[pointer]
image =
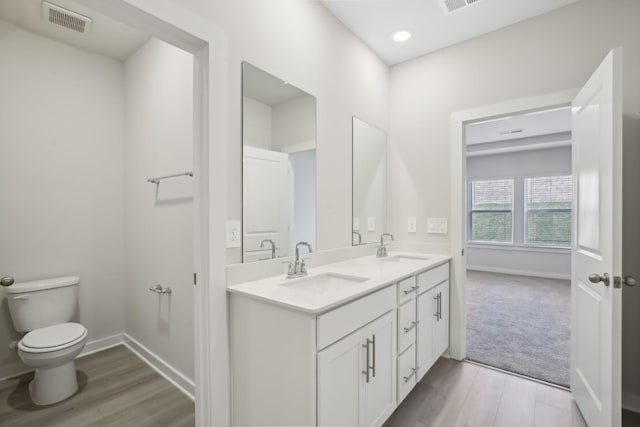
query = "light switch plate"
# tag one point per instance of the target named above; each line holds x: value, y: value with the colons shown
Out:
x: 411, y: 224
x: 437, y: 225
x: 356, y: 223
x: 371, y: 224
x: 233, y: 234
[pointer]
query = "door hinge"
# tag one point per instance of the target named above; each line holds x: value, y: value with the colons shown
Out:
x: 463, y: 252
x: 195, y: 279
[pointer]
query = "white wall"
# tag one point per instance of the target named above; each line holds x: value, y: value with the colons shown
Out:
x: 520, y: 258
x: 294, y: 122
x: 303, y: 165
x: 552, y: 52
x: 301, y: 42
x: 61, y: 133
x: 159, y: 225
x: 257, y: 119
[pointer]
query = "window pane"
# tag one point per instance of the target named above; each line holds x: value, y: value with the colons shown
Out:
x: 492, y: 195
x: 491, y: 211
x: 548, y: 205
x: 491, y: 226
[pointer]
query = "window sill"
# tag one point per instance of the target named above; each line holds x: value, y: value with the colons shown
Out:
x: 521, y: 248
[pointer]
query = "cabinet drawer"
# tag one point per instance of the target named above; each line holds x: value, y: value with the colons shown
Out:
x: 343, y: 320
x: 406, y: 325
x: 406, y: 372
x: 406, y: 289
x: 429, y: 279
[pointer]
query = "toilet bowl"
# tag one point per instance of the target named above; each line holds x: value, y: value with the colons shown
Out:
x: 52, y: 351
x: 43, y: 309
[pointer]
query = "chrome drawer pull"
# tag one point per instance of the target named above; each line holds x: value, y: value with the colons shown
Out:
x: 413, y: 372
x: 411, y: 289
x: 413, y: 325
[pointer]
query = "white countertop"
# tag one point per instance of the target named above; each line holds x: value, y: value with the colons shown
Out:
x: 277, y: 289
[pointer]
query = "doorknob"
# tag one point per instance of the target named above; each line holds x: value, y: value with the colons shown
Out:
x: 596, y: 278
x: 629, y: 280
x: 7, y: 281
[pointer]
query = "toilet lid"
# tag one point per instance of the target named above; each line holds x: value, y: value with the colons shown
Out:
x: 53, y: 336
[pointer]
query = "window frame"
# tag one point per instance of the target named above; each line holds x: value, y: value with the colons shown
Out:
x: 470, y: 211
x: 525, y: 211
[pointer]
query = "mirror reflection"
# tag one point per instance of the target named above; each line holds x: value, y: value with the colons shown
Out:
x: 279, y: 166
x: 369, y: 183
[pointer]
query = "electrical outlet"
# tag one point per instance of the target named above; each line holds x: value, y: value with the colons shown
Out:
x: 356, y: 223
x: 233, y: 234
x: 371, y: 224
x: 411, y: 225
x: 437, y: 225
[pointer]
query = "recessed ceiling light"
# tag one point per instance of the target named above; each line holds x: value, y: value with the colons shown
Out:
x: 401, y: 36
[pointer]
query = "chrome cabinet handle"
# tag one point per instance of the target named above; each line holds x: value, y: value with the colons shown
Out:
x: 596, y: 278
x: 411, y: 289
x: 158, y: 289
x: 439, y: 306
x: 373, y: 368
x: 368, y: 367
x: 408, y: 377
x: 7, y: 281
x: 413, y: 325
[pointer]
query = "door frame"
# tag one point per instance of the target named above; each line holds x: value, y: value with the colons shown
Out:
x: 182, y: 28
x: 458, y: 207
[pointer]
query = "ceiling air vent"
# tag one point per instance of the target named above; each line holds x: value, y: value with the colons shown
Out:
x: 65, y: 18
x: 450, y: 6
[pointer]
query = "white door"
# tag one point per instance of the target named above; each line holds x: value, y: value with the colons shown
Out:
x: 441, y: 328
x: 380, y: 389
x: 266, y: 204
x: 425, y: 340
x: 340, y: 384
x: 597, y: 245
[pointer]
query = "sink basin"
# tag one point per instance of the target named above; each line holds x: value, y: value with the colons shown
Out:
x: 404, y: 258
x: 324, y: 283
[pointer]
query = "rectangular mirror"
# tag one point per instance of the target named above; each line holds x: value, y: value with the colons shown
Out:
x: 369, y: 183
x: 278, y: 166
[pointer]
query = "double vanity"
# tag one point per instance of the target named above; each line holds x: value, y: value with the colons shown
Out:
x: 343, y: 345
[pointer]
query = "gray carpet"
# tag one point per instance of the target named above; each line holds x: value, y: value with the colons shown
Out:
x: 520, y: 324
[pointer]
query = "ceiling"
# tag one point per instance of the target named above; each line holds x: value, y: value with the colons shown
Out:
x: 265, y: 88
x: 530, y: 131
x: 106, y: 36
x: 373, y: 21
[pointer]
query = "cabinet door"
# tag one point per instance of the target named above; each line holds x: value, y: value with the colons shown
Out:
x: 341, y: 381
x: 380, y: 391
x: 425, y: 352
x: 442, y: 322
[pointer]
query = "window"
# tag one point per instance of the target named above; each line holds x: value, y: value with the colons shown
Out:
x: 491, y: 211
x: 548, y: 210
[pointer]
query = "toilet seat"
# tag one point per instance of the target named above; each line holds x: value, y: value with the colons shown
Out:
x: 53, y: 338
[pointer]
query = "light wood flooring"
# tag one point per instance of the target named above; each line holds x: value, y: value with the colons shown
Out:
x: 116, y: 388
x: 457, y: 394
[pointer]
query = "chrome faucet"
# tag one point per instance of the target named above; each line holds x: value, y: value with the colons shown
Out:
x: 382, y: 249
x: 273, y: 246
x: 359, y: 237
x: 297, y: 268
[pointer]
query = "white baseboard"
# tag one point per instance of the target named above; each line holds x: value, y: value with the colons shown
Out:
x: 183, y: 383
x: 18, y: 368
x: 543, y: 274
x: 631, y: 402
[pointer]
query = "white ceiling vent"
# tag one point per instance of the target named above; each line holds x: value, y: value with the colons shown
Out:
x: 450, y: 6
x: 65, y: 18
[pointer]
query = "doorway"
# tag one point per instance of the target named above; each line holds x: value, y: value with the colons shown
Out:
x: 519, y: 204
x: 182, y: 30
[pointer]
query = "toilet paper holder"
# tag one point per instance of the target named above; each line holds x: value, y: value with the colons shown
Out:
x: 160, y: 290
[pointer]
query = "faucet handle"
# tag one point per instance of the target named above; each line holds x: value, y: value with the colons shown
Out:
x: 303, y: 267
x: 292, y: 268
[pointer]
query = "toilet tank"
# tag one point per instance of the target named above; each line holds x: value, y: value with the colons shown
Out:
x: 42, y: 303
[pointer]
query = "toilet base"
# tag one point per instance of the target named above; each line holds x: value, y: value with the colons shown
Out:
x: 53, y: 385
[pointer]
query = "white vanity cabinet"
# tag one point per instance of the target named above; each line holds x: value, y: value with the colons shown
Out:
x: 423, y: 325
x: 356, y: 377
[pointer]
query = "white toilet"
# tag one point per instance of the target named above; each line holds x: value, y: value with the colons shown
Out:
x: 43, y: 309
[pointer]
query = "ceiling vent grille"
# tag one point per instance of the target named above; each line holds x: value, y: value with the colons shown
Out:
x: 450, y: 6
x: 65, y: 18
